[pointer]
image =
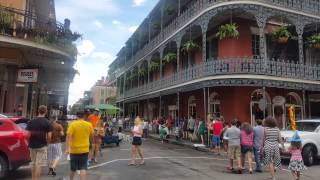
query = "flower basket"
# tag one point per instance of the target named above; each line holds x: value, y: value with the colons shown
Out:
x: 314, y: 41
x: 168, y: 58
x: 228, y: 31
x: 283, y: 40
x: 281, y: 35
x: 316, y: 46
x: 190, y: 46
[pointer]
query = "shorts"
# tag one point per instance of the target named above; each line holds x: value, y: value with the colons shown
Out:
x: 245, y: 149
x: 78, y: 162
x: 54, y: 151
x: 137, y: 141
x: 234, y: 152
x: 216, y: 140
x: 191, y: 130
x: 38, y: 156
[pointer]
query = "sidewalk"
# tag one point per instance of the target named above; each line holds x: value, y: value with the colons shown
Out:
x: 182, y: 142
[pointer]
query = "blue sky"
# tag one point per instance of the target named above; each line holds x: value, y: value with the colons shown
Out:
x: 105, y: 25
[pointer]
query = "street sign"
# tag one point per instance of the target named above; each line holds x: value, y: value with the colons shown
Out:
x: 27, y: 76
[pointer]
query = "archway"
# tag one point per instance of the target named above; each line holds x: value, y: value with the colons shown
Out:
x: 260, y: 105
x: 214, y: 104
x: 294, y: 100
x: 278, y: 107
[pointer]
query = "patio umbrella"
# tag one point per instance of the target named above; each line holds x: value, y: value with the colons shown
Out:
x: 108, y: 108
x: 91, y: 107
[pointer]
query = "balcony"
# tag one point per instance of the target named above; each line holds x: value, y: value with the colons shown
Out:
x: 196, y: 7
x: 230, y: 67
x: 23, y: 26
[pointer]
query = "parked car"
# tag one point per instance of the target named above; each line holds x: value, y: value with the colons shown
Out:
x: 309, y: 131
x: 14, y: 151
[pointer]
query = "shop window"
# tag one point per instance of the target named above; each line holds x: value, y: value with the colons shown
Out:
x: 260, y: 105
x: 192, y: 107
x: 214, y: 104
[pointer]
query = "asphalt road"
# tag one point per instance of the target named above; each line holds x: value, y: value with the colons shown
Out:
x: 163, y: 161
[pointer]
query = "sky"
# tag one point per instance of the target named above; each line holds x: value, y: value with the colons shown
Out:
x: 105, y: 25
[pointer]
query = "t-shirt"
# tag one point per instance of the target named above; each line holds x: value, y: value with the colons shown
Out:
x: 38, y: 128
x: 93, y: 119
x: 56, y: 133
x: 191, y: 123
x: 233, y: 136
x: 258, y: 133
x: 137, y: 128
x: 80, y: 132
x: 246, y: 139
x: 217, y: 128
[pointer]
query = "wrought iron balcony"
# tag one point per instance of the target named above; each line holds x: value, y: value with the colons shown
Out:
x: 25, y: 25
x: 234, y: 66
x: 196, y: 7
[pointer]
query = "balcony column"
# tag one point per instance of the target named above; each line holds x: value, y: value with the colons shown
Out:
x: 160, y: 106
x: 124, y: 84
x: 178, y: 107
x: 304, y: 104
x: 148, y: 80
x: 138, y: 76
x: 204, y: 28
x: 149, y: 30
x: 178, y: 42
x: 161, y: 56
x: 299, y: 29
x: 132, y: 45
x: 161, y: 18
x: 179, y: 7
x: 261, y: 22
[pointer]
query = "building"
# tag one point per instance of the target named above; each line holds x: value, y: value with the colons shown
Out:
x: 102, y: 92
x: 179, y: 63
x: 36, y: 57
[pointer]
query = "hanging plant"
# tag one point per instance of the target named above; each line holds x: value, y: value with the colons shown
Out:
x: 169, y: 57
x: 154, y: 66
x: 190, y: 46
x: 281, y: 34
x: 229, y: 30
x: 142, y: 72
x: 314, y: 41
x: 169, y: 10
x: 6, y: 21
x: 134, y: 75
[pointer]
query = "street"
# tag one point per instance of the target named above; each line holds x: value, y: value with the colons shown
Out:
x: 163, y: 161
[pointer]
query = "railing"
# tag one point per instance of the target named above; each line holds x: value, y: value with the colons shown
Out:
x: 307, y: 6
x: 229, y: 67
x: 25, y: 25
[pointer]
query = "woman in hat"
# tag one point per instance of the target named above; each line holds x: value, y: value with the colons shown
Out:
x: 296, y: 162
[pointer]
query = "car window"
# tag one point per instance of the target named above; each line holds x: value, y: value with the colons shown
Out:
x: 307, y: 126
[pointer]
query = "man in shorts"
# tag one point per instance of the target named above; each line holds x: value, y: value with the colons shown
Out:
x: 39, y: 130
x: 79, y: 134
x: 232, y: 135
x: 217, y: 128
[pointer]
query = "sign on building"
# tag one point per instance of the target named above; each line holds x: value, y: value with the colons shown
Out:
x: 27, y: 76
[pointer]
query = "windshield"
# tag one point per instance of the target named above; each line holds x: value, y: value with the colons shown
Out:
x: 306, y: 126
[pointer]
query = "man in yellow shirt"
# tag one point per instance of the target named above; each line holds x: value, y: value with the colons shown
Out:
x: 78, y: 139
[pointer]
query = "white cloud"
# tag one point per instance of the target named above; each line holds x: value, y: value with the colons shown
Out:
x: 115, y: 22
x: 102, y: 56
x: 85, y: 48
x: 138, y: 2
x: 98, y: 24
x: 132, y: 29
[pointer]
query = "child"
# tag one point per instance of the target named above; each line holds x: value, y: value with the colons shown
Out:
x: 296, y: 163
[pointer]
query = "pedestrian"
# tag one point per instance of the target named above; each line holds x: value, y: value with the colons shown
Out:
x: 246, y: 138
x: 232, y: 135
x: 217, y: 128
x: 98, y: 134
x: 191, y: 125
x: 54, y: 147
x: 163, y: 132
x: 120, y: 124
x: 94, y: 118
x: 296, y: 164
x: 201, y: 130
x: 185, y: 128
x: 258, y: 134
x: 271, y: 150
x: 224, y: 141
x: 39, y: 133
x: 145, y: 128
x: 137, y: 132
x: 79, y: 134
x: 169, y: 124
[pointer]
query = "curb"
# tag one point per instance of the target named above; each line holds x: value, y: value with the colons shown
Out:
x: 170, y: 141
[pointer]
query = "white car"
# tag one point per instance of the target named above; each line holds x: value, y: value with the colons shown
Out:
x: 309, y: 131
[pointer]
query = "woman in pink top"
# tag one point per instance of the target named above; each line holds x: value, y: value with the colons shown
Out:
x: 246, y: 139
x: 137, y: 132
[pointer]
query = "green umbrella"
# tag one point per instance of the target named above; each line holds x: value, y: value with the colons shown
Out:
x: 107, y: 107
x: 91, y: 107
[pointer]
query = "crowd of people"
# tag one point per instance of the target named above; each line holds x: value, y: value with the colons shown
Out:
x: 240, y: 141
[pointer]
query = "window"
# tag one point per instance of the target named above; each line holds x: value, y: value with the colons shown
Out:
x: 255, y: 45
x: 102, y: 92
x: 214, y: 104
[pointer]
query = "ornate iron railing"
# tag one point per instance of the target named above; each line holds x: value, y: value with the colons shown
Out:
x: 25, y: 25
x: 306, y: 6
x: 228, y: 67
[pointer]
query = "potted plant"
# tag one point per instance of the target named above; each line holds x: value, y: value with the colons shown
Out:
x: 229, y: 30
x: 314, y: 41
x: 142, y: 72
x: 6, y: 22
x: 169, y: 57
x: 281, y: 34
x: 190, y: 46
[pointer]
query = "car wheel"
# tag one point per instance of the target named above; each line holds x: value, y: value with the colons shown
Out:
x: 308, y: 155
x: 4, y: 168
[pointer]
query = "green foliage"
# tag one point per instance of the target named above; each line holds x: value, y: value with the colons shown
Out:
x: 281, y: 32
x: 6, y: 19
x: 169, y: 57
x: 314, y: 39
x: 154, y: 66
x: 142, y: 72
x: 169, y: 10
x: 190, y: 46
x: 229, y: 30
